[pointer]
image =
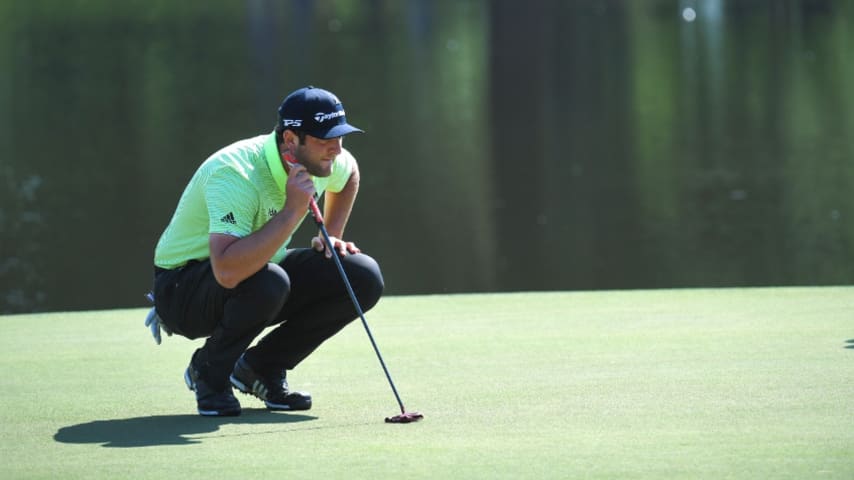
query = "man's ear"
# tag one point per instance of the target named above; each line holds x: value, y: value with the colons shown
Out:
x: 290, y: 139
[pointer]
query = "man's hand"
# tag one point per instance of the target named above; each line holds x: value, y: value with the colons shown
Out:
x: 299, y: 189
x: 341, y: 246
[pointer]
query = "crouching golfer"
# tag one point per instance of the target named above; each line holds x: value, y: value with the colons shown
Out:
x: 223, y: 269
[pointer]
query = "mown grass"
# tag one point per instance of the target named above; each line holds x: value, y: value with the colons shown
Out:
x: 718, y: 383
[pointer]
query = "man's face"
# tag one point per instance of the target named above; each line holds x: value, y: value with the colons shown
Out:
x: 317, y: 154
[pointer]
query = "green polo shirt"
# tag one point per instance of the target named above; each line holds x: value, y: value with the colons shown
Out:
x: 235, y: 191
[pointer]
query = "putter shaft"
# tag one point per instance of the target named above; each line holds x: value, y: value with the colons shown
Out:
x: 318, y: 219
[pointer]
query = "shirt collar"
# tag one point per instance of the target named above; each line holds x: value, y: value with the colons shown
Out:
x: 274, y: 161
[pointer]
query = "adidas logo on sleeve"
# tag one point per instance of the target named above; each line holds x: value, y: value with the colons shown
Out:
x: 229, y: 218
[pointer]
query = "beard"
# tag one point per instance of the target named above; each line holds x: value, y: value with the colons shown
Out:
x: 317, y: 168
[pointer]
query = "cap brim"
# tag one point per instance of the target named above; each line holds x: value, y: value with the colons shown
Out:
x: 336, y: 131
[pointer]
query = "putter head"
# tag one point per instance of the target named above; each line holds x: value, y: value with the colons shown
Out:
x: 406, y: 417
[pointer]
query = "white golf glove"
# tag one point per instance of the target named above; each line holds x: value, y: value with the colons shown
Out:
x: 154, y: 323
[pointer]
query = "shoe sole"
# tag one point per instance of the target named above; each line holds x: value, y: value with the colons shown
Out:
x: 219, y: 413
x: 270, y: 405
x: 287, y: 408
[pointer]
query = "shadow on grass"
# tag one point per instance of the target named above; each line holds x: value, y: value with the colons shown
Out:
x: 166, y: 429
x: 850, y: 343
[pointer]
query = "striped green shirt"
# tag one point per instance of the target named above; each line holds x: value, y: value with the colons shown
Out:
x: 235, y: 191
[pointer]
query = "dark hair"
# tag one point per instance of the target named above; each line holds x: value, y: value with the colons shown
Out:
x: 280, y: 133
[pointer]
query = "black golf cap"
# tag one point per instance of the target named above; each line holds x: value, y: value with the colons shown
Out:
x: 315, y: 111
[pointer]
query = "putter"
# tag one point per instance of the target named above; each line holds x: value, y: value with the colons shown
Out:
x: 404, y: 417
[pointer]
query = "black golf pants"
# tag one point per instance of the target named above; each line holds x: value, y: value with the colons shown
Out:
x: 304, y: 295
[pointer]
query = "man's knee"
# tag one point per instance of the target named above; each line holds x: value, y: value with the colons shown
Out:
x: 267, y: 290
x: 366, y: 279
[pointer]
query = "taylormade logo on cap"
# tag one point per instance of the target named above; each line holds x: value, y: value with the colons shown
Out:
x: 316, y: 112
x: 319, y: 117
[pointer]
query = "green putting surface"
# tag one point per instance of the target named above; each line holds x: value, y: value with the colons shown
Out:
x: 717, y: 383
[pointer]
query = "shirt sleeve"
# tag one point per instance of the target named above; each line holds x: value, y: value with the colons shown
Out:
x: 343, y: 167
x: 232, y: 203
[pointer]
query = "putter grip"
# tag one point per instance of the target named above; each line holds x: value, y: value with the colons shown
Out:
x: 315, y: 212
x: 312, y: 206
